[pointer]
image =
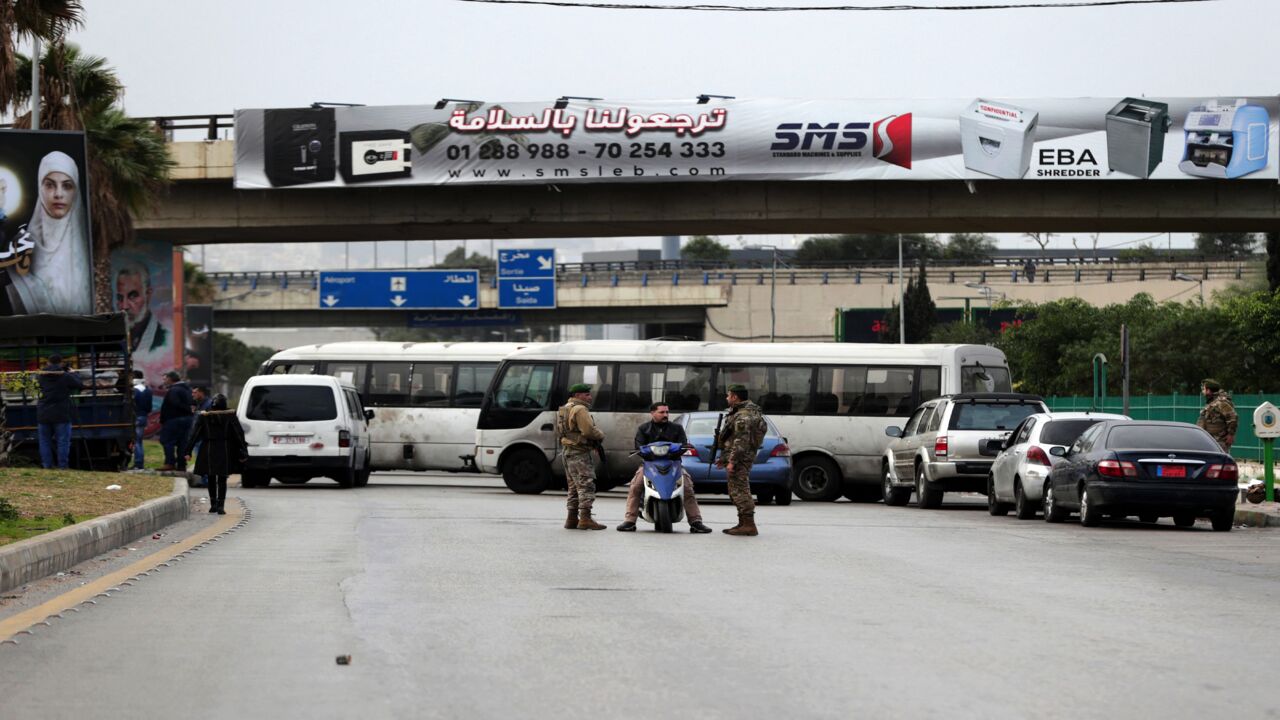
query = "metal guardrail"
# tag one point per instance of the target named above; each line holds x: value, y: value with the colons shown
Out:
x: 210, y: 123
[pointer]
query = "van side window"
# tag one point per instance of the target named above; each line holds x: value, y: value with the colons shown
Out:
x: 471, y: 381
x: 638, y: 386
x: 777, y: 389
x: 429, y: 384
x: 889, y: 391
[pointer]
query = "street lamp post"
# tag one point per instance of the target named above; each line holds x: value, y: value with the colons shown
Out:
x: 773, y: 288
x: 902, y: 307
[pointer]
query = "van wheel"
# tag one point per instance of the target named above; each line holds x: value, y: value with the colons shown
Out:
x: 817, y: 479
x: 347, y: 478
x: 526, y: 472
x: 362, y: 477
x: 252, y: 479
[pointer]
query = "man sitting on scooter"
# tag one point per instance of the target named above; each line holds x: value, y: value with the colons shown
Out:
x: 660, y: 429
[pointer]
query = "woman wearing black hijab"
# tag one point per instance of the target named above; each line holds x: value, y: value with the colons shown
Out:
x: 223, y: 451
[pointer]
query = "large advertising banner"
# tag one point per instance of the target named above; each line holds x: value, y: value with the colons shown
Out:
x: 197, y: 355
x: 142, y: 288
x: 46, y: 254
x: 567, y: 141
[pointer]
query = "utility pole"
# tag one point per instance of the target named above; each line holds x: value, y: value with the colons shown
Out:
x: 902, y: 308
x: 773, y: 295
x: 35, y: 84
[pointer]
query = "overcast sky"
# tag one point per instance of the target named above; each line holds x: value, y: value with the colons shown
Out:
x: 182, y: 57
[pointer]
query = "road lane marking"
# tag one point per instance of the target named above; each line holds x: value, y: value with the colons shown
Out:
x: 10, y: 627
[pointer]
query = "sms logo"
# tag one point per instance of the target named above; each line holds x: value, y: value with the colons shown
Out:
x: 890, y: 139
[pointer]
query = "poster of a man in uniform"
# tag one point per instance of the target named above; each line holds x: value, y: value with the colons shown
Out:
x: 142, y: 279
x: 46, y: 262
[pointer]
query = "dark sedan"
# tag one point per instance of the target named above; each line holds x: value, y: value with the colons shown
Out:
x: 1150, y: 469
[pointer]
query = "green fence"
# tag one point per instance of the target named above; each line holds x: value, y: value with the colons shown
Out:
x: 1183, y: 408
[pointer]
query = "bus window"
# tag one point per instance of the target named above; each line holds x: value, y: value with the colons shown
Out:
x: 389, y: 384
x: 525, y: 386
x: 471, y: 382
x: 291, y: 369
x: 839, y: 390
x: 687, y: 388
x: 352, y: 372
x: 639, y: 386
x: 430, y: 387
x: 780, y: 390
x: 889, y: 392
x: 600, y: 377
x: 930, y: 384
x: 976, y: 378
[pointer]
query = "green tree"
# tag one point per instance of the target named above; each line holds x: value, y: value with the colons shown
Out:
x: 704, y: 248
x: 236, y: 362
x: 1143, y: 253
x: 920, y: 311
x: 22, y: 20
x: 1273, y: 261
x: 1225, y: 244
x: 865, y: 248
x: 962, y: 333
x: 196, y: 288
x: 969, y: 247
x: 457, y: 259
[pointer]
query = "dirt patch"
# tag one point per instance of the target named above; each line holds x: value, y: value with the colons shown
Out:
x: 45, y: 500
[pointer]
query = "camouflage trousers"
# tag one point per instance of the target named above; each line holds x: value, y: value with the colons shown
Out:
x: 580, y: 477
x: 740, y: 488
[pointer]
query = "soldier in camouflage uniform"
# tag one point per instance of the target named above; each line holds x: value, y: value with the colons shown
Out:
x: 1218, y: 417
x: 740, y: 440
x: 579, y: 437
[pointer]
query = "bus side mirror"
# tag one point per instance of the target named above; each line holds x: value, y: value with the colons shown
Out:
x: 368, y: 414
x: 893, y: 431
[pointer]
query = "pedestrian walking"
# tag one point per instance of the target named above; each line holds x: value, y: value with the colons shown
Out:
x: 142, y: 401
x: 223, y: 451
x: 175, y: 420
x: 740, y: 440
x: 661, y: 429
x: 54, y: 411
x: 1218, y: 417
x: 200, y: 402
x: 1029, y: 269
x: 579, y: 437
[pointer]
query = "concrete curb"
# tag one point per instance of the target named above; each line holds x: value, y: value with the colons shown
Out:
x: 1263, y: 515
x: 38, y: 557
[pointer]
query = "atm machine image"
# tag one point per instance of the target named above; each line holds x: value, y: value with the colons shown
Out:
x: 1224, y: 141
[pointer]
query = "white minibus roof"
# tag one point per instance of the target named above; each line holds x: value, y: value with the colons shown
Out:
x: 670, y: 351
x: 402, y: 351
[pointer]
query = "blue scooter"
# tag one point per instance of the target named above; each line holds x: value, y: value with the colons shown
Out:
x: 663, y: 503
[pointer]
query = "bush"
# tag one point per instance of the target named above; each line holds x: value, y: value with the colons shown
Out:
x: 7, y: 510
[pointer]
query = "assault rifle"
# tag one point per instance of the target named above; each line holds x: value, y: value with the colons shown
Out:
x: 715, y: 444
x: 598, y: 446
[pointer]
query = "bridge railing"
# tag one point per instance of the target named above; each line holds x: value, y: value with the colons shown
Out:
x: 209, y: 124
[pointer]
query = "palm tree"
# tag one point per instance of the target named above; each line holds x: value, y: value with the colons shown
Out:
x: 128, y: 161
x: 22, y: 20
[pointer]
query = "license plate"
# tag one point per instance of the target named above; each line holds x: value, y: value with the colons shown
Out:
x: 1173, y: 471
x: 290, y: 439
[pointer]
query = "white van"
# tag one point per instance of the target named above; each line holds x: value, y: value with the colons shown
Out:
x: 304, y: 426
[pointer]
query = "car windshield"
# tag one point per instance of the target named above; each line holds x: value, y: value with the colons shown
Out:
x: 706, y: 425
x: 990, y: 416
x: 1065, y: 432
x: 1160, y: 437
x: 291, y: 403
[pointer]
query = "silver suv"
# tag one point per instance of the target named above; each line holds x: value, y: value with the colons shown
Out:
x: 938, y: 451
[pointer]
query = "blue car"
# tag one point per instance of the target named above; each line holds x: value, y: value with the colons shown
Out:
x: 770, y: 475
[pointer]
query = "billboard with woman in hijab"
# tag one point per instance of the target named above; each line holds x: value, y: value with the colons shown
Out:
x: 46, y: 261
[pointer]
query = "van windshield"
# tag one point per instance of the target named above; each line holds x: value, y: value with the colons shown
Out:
x: 292, y: 403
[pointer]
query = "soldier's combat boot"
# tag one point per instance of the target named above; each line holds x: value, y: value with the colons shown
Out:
x: 627, y: 526
x: 696, y: 526
x: 586, y: 523
x: 748, y: 526
x: 735, y: 527
x: 571, y: 523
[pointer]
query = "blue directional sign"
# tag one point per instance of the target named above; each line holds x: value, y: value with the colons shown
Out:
x: 526, y: 279
x: 404, y: 289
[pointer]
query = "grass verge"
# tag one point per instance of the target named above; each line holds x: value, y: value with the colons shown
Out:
x: 35, y: 501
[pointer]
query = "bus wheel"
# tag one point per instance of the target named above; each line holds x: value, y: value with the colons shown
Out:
x: 817, y: 479
x: 526, y: 472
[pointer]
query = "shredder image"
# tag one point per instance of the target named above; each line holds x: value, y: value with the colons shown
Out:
x: 298, y: 145
x: 997, y: 138
x: 1135, y: 136
x: 1224, y: 141
x: 368, y: 155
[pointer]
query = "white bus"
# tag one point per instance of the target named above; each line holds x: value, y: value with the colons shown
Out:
x: 832, y: 401
x: 427, y: 395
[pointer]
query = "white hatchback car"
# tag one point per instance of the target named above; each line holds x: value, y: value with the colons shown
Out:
x: 1022, y: 467
x: 304, y: 426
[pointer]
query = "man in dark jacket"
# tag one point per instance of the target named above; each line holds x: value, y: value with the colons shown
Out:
x: 142, y: 398
x: 222, y: 449
x: 175, y: 420
x: 54, y: 410
x: 660, y: 429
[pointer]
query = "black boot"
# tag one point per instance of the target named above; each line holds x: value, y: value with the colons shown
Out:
x: 696, y: 526
x: 627, y: 526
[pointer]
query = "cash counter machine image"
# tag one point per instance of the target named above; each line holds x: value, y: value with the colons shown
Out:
x: 1224, y: 141
x: 997, y: 138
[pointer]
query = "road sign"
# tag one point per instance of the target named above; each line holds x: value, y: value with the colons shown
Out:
x: 405, y: 289
x: 1266, y: 421
x: 526, y: 279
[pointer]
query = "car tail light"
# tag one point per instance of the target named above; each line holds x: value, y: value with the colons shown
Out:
x: 940, y: 446
x: 1117, y: 468
x: 344, y: 438
x: 1037, y: 456
x: 1223, y: 472
x: 780, y: 450
x: 691, y: 451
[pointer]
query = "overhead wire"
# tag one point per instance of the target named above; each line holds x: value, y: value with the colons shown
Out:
x: 837, y: 8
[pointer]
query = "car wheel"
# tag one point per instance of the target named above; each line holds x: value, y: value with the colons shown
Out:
x: 1223, y: 520
x: 1184, y: 520
x: 1148, y: 518
x: 347, y: 478
x: 764, y: 497
x: 994, y: 506
x: 817, y: 479
x: 1052, y: 513
x: 1022, y: 507
x: 362, y: 477
x: 1090, y: 514
x: 526, y: 472
x: 928, y: 496
x: 782, y: 496
x: 892, y: 495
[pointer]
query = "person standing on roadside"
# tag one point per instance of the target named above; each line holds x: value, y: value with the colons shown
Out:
x: 661, y: 429
x: 223, y: 451
x: 142, y: 400
x: 54, y: 411
x: 740, y: 439
x: 1218, y: 417
x: 579, y: 437
x: 200, y: 402
x: 175, y: 420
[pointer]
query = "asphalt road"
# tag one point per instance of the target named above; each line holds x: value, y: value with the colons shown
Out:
x: 457, y: 599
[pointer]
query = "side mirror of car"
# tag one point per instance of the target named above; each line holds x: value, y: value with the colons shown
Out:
x: 893, y: 431
x: 368, y: 414
x: 1058, y: 451
x: 990, y: 447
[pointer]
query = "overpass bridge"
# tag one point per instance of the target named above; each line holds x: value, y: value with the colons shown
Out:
x: 203, y: 207
x: 734, y: 303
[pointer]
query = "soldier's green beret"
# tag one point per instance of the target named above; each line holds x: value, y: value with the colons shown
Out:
x: 579, y: 388
x: 1212, y: 384
x: 737, y: 388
